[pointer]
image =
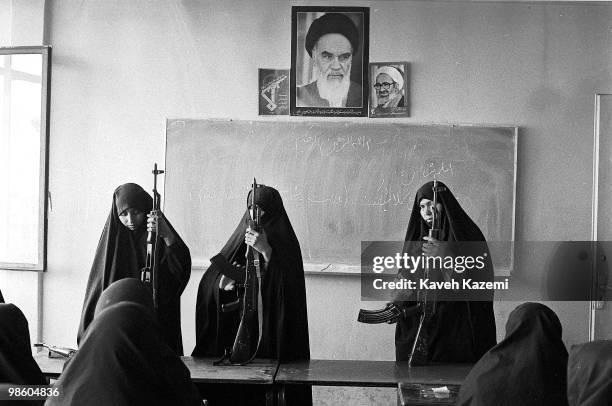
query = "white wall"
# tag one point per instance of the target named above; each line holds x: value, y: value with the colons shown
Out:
x: 120, y: 68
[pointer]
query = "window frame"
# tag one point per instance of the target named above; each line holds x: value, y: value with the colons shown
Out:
x: 43, y: 178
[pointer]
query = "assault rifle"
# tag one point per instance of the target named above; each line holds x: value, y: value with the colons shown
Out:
x: 418, y: 354
x: 148, y: 274
x: 250, y: 328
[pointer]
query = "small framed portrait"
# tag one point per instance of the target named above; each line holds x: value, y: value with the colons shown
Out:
x: 273, y: 92
x: 329, y: 61
x: 389, y: 89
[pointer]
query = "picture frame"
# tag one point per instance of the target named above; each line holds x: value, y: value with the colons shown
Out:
x: 389, y: 89
x: 273, y: 92
x: 329, y: 61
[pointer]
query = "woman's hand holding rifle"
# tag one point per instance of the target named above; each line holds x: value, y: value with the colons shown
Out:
x: 259, y: 241
x: 156, y: 222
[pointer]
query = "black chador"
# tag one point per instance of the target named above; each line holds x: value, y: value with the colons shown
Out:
x: 17, y: 366
x: 16, y: 362
x: 285, y: 322
x: 460, y: 330
x: 123, y: 359
x: 526, y: 368
x: 589, y: 374
x: 121, y: 254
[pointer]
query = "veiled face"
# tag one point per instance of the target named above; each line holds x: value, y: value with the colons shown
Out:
x: 333, y: 56
x: 132, y: 218
x: 426, y: 206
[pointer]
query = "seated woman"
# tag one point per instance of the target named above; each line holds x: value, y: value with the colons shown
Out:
x: 123, y: 358
x: 285, y: 321
x: 529, y: 367
x: 589, y: 374
x: 122, y: 253
x: 17, y: 366
x: 455, y: 331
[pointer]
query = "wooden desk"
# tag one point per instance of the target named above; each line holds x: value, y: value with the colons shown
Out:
x: 50, y: 367
x: 202, y: 370
x: 313, y: 372
x: 259, y: 372
x: 340, y: 373
x: 366, y: 373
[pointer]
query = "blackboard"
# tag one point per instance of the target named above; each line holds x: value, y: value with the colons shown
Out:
x: 341, y: 183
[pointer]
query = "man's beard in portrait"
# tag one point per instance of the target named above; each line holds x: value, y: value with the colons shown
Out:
x: 333, y: 90
x: 389, y: 99
x: 383, y: 97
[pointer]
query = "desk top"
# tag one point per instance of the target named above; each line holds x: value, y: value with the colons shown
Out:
x: 201, y: 369
x: 313, y: 372
x: 259, y: 371
x: 49, y: 366
x: 369, y: 373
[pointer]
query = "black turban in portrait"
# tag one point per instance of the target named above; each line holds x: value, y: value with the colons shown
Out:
x: 332, y: 23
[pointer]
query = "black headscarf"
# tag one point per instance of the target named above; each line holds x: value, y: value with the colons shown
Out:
x: 527, y: 368
x: 121, y: 253
x: 1, y: 297
x: 589, y: 374
x: 16, y: 362
x: 458, y: 331
x: 455, y: 225
x: 123, y: 358
x: 285, y: 321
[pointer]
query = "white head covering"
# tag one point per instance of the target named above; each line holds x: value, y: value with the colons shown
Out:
x: 395, y: 73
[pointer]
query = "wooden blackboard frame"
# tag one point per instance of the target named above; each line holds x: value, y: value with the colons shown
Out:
x: 332, y: 268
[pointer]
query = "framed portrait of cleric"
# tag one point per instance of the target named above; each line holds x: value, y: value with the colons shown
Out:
x: 389, y: 89
x: 329, y: 61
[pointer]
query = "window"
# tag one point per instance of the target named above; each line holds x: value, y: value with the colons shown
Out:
x: 24, y: 120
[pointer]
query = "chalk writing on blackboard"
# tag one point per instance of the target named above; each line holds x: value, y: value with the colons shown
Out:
x: 341, y: 183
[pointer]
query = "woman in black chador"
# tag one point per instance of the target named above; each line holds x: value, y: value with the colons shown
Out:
x: 455, y: 331
x: 285, y: 322
x: 123, y: 359
x: 589, y: 374
x: 17, y: 366
x: 528, y: 368
x: 122, y: 254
